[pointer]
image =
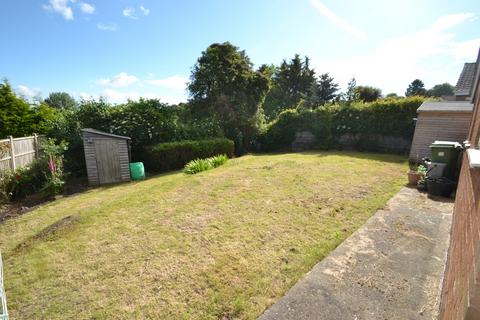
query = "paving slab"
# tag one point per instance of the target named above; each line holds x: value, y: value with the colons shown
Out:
x: 391, y: 268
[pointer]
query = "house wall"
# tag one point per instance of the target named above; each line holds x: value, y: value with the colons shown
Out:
x: 461, y: 290
x: 431, y: 126
x: 91, y: 160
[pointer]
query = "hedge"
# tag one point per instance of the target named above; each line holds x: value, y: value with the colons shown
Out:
x: 174, y: 155
x: 281, y: 132
x: 364, y: 121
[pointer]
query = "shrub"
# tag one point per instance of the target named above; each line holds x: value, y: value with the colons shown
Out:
x: 42, y: 175
x: 197, y: 165
x: 392, y: 117
x: 174, y: 155
x: 281, y: 132
x: 363, y: 122
x: 217, y: 161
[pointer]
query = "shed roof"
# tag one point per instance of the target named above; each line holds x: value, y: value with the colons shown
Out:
x: 104, y: 133
x: 466, y: 80
x: 446, y: 106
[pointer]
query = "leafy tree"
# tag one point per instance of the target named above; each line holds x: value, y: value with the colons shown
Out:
x: 416, y: 88
x: 351, y: 96
x: 322, y: 91
x: 16, y: 116
x: 60, y: 100
x: 439, y: 90
x: 224, y: 86
x: 291, y: 82
x: 68, y: 122
x: 367, y: 93
x: 392, y: 95
x: 43, y: 115
x: 147, y: 121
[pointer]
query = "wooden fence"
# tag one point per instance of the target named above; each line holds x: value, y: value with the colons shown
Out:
x: 18, y: 152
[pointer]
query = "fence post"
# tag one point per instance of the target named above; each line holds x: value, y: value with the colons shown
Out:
x: 35, y: 145
x: 12, y: 154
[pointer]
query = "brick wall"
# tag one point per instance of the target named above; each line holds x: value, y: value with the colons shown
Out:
x: 461, y: 289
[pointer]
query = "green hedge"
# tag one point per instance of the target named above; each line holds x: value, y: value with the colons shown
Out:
x: 281, y: 132
x: 174, y: 155
x: 392, y: 117
x: 366, y: 121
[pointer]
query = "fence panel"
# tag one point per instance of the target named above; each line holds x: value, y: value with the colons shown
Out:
x: 18, y: 152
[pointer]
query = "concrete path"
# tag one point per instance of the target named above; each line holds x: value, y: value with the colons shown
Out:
x: 391, y: 268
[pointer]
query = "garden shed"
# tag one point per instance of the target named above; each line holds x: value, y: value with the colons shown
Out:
x: 107, y: 157
x: 440, y: 120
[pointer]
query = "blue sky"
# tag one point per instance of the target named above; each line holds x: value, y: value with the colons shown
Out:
x: 127, y: 49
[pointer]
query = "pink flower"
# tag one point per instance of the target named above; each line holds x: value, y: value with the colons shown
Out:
x: 51, y: 166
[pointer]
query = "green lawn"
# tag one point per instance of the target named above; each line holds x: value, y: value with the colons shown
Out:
x: 222, y: 244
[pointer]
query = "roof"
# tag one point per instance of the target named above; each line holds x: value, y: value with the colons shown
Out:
x: 446, y: 106
x: 466, y: 80
x: 90, y: 130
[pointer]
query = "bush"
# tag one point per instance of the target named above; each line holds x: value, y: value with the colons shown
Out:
x: 392, y: 117
x: 217, y: 161
x: 174, y: 155
x: 199, y: 165
x: 42, y: 175
x: 281, y: 132
x: 363, y: 122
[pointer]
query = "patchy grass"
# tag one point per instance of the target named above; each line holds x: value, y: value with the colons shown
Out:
x: 222, y: 244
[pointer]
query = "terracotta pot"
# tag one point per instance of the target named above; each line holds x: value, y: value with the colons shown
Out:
x: 413, y: 177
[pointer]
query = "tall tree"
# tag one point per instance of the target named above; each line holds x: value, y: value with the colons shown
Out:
x: 224, y: 86
x: 322, y: 91
x: 291, y: 82
x: 16, y: 116
x: 351, y: 95
x: 367, y: 93
x: 416, y: 88
x: 60, y: 101
x: 439, y: 90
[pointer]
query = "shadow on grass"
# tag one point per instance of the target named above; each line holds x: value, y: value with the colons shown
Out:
x: 386, y: 157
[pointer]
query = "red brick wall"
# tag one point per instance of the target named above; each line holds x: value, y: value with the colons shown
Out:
x: 461, y: 288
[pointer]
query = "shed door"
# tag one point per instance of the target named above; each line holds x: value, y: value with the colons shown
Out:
x: 108, y: 161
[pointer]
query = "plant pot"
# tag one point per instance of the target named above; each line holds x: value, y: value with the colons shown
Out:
x: 413, y: 178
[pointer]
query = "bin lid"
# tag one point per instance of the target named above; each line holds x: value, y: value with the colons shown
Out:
x: 445, y: 144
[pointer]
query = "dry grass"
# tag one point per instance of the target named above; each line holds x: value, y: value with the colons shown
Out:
x: 222, y: 244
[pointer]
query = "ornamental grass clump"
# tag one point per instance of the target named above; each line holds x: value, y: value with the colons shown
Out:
x: 199, y: 165
x: 219, y: 160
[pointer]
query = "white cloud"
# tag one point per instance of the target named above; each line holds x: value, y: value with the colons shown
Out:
x: 120, y: 80
x: 175, y: 82
x: 115, y: 96
x: 87, y: 8
x: 27, y: 92
x: 145, y: 11
x: 61, y: 7
x: 432, y: 54
x: 339, y: 22
x: 129, y: 12
x: 107, y: 26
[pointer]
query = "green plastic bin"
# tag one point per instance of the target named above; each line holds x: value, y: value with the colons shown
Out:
x: 447, y: 152
x: 137, y: 171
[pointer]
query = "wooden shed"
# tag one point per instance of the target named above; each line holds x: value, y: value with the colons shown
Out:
x: 444, y: 120
x: 107, y: 157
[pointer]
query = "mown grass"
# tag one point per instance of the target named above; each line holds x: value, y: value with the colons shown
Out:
x: 222, y: 244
